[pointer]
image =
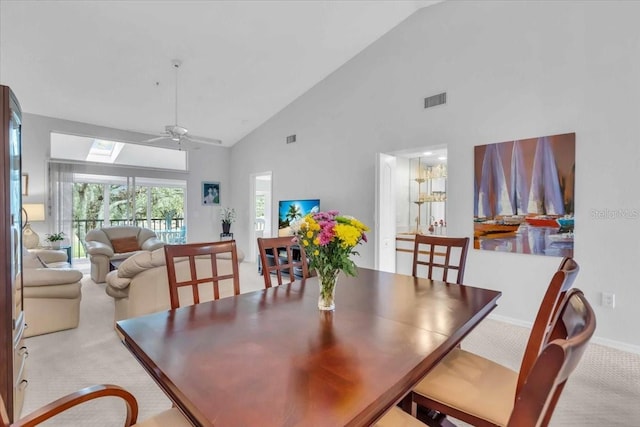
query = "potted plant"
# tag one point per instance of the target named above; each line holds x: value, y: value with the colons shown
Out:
x: 55, y: 239
x: 227, y: 216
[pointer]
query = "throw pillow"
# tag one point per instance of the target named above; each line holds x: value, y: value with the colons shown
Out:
x: 125, y: 244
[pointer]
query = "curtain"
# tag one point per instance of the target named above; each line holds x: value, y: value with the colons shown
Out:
x: 60, y: 203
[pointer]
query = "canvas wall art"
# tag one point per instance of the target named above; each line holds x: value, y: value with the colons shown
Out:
x: 210, y: 193
x: 524, y: 196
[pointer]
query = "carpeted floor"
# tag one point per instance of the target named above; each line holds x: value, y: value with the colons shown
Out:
x: 604, y: 391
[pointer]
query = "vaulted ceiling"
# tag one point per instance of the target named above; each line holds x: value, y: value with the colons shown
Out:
x: 108, y: 63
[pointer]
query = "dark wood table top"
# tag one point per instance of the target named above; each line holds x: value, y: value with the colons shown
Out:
x: 271, y: 358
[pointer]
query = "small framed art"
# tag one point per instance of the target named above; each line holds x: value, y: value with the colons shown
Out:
x: 210, y: 193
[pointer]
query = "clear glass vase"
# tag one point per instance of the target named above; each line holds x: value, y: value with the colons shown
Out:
x: 327, y: 295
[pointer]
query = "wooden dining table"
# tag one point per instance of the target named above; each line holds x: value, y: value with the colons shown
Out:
x: 271, y: 358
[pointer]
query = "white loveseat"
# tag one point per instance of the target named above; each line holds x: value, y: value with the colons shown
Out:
x: 140, y: 286
x: 117, y: 243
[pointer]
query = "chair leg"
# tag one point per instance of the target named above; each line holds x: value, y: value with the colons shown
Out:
x: 406, y: 404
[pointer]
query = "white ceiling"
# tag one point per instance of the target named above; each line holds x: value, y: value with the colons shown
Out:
x: 109, y: 62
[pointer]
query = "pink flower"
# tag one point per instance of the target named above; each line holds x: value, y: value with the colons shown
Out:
x: 364, y: 237
x: 326, y: 235
x: 325, y: 216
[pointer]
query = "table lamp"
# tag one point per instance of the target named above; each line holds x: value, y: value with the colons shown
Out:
x: 33, y: 212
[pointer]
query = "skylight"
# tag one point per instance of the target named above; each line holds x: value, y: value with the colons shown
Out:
x: 85, y: 149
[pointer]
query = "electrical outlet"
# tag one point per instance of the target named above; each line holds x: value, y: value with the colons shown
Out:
x: 608, y: 299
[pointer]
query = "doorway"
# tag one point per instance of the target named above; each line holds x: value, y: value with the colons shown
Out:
x: 260, y: 220
x: 409, y: 200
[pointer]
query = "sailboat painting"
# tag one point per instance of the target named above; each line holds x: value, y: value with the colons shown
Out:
x: 524, y: 195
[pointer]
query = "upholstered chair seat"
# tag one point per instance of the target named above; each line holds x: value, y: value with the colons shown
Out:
x: 488, y: 387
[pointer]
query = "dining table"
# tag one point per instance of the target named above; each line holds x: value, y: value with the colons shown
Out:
x: 272, y: 358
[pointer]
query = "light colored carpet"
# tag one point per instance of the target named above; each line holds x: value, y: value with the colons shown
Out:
x: 604, y: 390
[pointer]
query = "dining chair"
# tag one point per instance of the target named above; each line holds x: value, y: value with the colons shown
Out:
x: 284, y: 257
x: 202, y: 259
x: 169, y: 418
x: 462, y: 383
x: 442, y: 254
x: 533, y: 405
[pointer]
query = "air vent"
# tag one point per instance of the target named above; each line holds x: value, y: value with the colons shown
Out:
x: 291, y: 139
x: 434, y: 100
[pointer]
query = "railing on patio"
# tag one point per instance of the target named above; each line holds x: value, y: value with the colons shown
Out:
x: 170, y: 231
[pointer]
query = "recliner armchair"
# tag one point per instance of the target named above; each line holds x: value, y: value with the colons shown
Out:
x: 51, y: 295
x: 117, y: 243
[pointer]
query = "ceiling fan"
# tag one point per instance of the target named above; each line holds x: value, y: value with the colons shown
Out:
x: 179, y: 133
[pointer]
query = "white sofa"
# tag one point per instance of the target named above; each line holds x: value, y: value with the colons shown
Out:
x: 117, y: 243
x: 140, y: 285
x: 51, y: 295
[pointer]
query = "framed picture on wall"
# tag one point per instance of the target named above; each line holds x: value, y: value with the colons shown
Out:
x: 210, y: 193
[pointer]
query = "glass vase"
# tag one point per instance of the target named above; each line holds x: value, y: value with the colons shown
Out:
x: 327, y: 296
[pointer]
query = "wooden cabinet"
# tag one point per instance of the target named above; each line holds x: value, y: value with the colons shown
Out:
x: 13, y: 352
x: 20, y: 354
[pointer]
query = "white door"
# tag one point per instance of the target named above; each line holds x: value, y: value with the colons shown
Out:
x: 385, y: 232
x: 260, y: 205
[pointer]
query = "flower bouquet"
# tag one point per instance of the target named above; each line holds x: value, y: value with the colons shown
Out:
x: 328, y: 239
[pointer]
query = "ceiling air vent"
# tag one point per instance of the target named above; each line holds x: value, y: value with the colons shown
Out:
x: 291, y: 139
x: 434, y: 100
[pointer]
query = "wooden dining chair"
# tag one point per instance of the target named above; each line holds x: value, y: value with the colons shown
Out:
x: 458, y: 384
x: 282, y: 256
x: 169, y: 418
x: 533, y: 405
x: 203, y: 267
x: 439, y: 253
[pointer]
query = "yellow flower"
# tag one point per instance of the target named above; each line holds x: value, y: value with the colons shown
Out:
x: 309, y: 234
x: 316, y: 252
x: 316, y: 241
x: 359, y: 225
x: 305, y: 242
x: 348, y: 235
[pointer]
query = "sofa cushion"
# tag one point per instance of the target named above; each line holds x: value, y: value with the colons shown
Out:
x: 125, y: 244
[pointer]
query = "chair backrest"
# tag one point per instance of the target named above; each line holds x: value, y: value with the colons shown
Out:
x: 571, y: 330
x: 442, y: 253
x: 560, y: 283
x: 282, y: 256
x: 203, y: 268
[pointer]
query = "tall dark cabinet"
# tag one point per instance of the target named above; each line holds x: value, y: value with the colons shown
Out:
x: 12, y: 350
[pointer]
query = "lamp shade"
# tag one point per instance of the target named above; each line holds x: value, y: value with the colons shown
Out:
x: 35, y: 211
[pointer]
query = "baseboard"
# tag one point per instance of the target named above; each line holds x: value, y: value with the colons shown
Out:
x: 618, y: 345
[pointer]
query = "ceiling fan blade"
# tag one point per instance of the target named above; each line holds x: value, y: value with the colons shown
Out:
x: 202, y: 140
x: 159, y: 138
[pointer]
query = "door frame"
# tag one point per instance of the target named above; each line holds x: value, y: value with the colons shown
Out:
x: 253, y: 247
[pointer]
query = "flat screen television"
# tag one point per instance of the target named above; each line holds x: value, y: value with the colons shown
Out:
x: 291, y: 210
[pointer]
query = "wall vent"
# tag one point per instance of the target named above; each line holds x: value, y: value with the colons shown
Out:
x: 291, y: 139
x: 434, y: 100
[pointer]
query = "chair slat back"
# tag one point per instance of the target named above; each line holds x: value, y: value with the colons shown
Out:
x: 560, y: 283
x: 284, y: 257
x: 202, y: 259
x: 442, y: 253
x: 571, y: 330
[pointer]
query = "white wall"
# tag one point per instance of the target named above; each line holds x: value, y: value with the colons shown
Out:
x: 205, y: 164
x: 511, y: 70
